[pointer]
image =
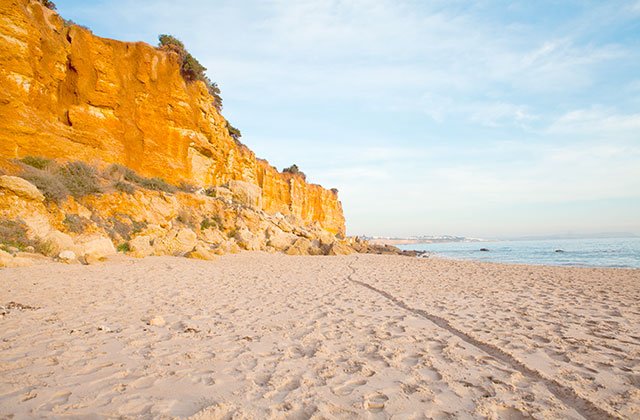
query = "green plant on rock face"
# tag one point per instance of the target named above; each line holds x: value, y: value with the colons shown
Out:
x: 14, y: 233
x: 75, y: 223
x: 124, y: 247
x: 138, y: 226
x: 125, y: 187
x: 117, y: 171
x: 209, y: 223
x: 37, y: 162
x: 45, y: 248
x: 187, y: 187
x: 233, y: 132
x: 49, y: 4
x: 48, y: 182
x: 190, y: 67
x: 80, y: 179
x: 157, y: 184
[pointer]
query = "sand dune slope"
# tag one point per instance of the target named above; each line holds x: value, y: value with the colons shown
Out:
x: 271, y: 336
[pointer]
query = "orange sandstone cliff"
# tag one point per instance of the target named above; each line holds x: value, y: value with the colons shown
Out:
x: 70, y: 95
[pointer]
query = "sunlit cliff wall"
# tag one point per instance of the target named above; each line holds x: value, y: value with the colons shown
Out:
x: 68, y: 94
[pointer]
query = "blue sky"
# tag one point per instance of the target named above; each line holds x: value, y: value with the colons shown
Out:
x: 484, y: 118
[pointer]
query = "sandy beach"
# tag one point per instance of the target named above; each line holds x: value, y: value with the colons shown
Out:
x: 256, y: 335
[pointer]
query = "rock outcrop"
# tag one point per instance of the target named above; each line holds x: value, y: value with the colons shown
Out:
x: 68, y: 94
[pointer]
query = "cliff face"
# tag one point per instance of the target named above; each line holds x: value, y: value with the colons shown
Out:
x: 68, y: 94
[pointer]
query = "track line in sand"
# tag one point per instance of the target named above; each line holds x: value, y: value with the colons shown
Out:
x: 583, y: 406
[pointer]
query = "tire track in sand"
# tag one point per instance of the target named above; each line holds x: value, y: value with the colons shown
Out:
x: 568, y: 396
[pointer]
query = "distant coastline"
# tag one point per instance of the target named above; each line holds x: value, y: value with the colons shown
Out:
x: 441, y: 239
x: 381, y: 240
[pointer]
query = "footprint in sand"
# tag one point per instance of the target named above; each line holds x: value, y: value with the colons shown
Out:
x: 511, y: 413
x: 375, y: 402
x: 58, y: 399
x: 347, y: 388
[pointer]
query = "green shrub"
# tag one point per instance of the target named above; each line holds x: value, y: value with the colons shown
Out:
x: 45, y: 248
x: 119, y: 228
x: 187, y: 187
x: 157, y: 184
x: 210, y: 223
x: 75, y: 223
x: 80, y: 179
x: 37, y: 162
x: 190, y: 67
x: 138, y: 227
x: 293, y: 169
x: 119, y: 172
x: 233, y: 132
x: 116, y: 171
x: 48, y: 3
x: 125, y: 187
x: 14, y: 233
x: 124, y: 247
x: 187, y: 218
x: 48, y: 182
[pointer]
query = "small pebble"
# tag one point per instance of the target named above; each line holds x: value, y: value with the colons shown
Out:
x: 157, y: 321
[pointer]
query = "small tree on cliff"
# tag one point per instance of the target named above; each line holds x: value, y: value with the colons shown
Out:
x: 49, y: 4
x: 293, y: 169
x: 234, y: 132
x: 190, y: 67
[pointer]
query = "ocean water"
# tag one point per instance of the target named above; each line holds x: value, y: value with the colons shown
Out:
x: 622, y: 252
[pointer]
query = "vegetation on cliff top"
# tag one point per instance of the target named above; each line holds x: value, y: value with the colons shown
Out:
x: 294, y: 170
x: 192, y: 71
x: 48, y: 3
x: 190, y: 67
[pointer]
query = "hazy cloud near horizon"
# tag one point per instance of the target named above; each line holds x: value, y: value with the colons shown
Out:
x: 443, y: 117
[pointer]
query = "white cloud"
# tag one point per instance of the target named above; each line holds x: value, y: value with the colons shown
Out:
x: 600, y: 122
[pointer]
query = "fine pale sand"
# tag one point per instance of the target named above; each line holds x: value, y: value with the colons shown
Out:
x: 271, y: 336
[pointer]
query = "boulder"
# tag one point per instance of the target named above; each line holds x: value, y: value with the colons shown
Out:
x: 201, y: 252
x: 316, y: 248
x: 339, y: 248
x: 59, y: 241
x: 246, y: 193
x: 96, y: 249
x: 212, y: 236
x: 279, y: 240
x: 230, y: 246
x: 176, y: 242
x: 247, y: 240
x: 326, y: 238
x: 140, y: 246
x: 67, y: 256
x: 283, y: 224
x: 21, y: 187
x: 299, y: 247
